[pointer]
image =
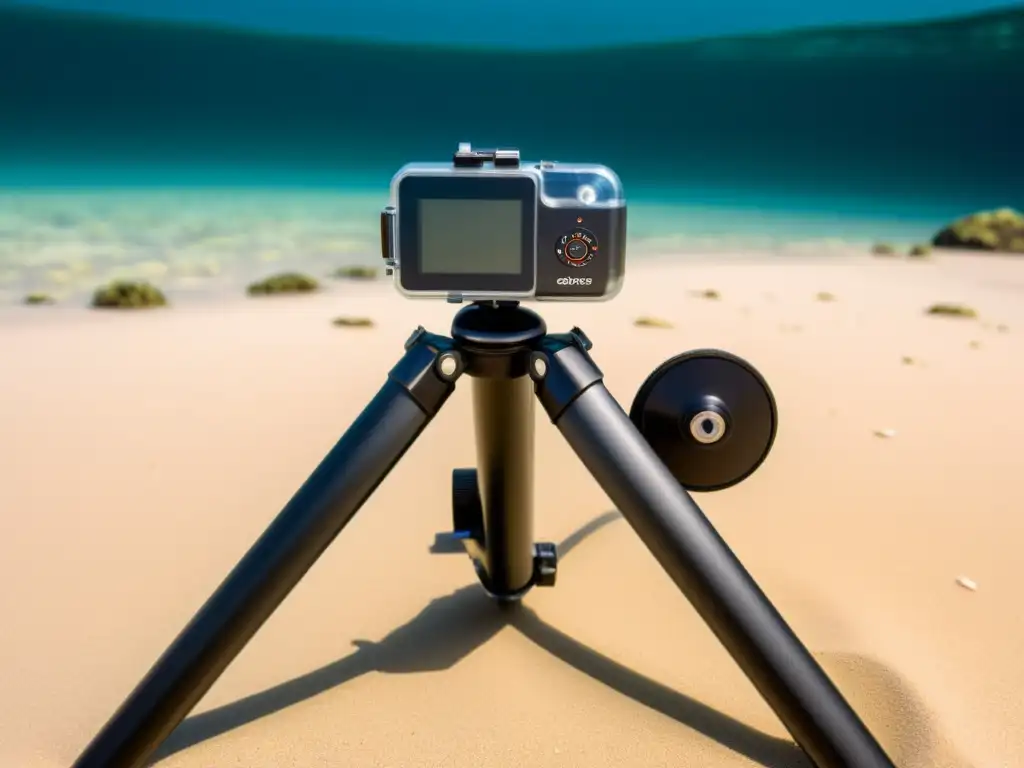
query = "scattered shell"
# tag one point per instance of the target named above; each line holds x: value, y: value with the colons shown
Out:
x: 886, y: 433
x: 967, y: 583
x: 651, y: 322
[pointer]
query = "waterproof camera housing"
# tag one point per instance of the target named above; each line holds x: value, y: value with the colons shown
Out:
x: 488, y: 227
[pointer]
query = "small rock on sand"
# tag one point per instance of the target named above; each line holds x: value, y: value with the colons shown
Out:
x: 966, y: 583
x: 885, y: 433
x: 651, y: 322
x: 352, y: 322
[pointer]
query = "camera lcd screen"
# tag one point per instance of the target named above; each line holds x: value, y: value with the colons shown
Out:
x: 470, y: 236
x: 467, y: 233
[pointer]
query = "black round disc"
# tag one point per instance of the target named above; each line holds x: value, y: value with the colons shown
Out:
x: 683, y: 387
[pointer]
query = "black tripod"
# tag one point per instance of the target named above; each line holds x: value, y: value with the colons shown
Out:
x: 508, y: 352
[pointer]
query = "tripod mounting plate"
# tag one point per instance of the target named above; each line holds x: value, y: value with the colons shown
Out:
x: 710, y: 417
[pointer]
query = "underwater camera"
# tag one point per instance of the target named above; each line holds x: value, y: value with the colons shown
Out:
x: 489, y: 227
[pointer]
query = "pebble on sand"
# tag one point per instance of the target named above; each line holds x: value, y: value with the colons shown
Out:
x: 651, y: 322
x: 352, y: 322
x: 708, y: 293
x: 885, y: 433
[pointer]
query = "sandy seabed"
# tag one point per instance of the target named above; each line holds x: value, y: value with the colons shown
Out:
x: 142, y: 454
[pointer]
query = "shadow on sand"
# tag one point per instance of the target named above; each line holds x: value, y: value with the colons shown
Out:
x: 448, y: 629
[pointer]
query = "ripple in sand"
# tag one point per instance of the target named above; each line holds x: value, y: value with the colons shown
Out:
x: 893, y: 710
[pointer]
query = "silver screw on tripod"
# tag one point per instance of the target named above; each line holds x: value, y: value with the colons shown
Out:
x: 707, y: 427
x: 448, y: 365
x: 539, y: 364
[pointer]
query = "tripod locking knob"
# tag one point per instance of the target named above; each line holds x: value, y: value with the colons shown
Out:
x: 545, y: 564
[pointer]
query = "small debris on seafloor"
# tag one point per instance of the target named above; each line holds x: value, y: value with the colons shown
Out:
x: 946, y: 309
x: 975, y: 345
x: 651, y: 322
x: 825, y: 296
x: 708, y: 293
x: 1002, y: 328
x: 966, y: 583
x: 908, y: 360
x: 886, y: 433
x: 352, y: 322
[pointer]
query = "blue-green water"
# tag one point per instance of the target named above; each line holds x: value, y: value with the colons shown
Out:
x: 848, y: 133
x: 902, y: 116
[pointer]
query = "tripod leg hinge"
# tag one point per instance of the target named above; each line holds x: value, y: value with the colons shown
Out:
x: 428, y: 369
x: 562, y: 370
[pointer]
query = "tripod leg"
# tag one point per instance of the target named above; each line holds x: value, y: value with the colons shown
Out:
x: 701, y: 564
x: 416, y: 389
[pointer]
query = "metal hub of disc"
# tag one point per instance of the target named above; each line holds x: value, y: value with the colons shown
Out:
x: 710, y: 417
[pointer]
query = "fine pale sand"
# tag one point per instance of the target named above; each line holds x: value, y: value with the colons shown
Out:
x: 142, y: 453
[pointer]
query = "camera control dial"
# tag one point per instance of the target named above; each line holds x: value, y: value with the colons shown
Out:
x: 576, y: 248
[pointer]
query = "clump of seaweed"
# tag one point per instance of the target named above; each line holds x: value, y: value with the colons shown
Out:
x: 354, y: 273
x: 883, y: 249
x: 920, y: 251
x: 651, y: 322
x: 128, y: 294
x: 36, y: 299
x: 285, y: 282
x: 999, y: 230
x: 353, y: 322
x: 945, y: 309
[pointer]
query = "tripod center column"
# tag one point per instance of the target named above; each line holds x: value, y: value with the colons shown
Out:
x: 496, y: 339
x: 503, y: 413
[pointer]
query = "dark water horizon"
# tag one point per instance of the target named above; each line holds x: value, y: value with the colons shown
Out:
x: 916, y: 118
x: 536, y: 24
